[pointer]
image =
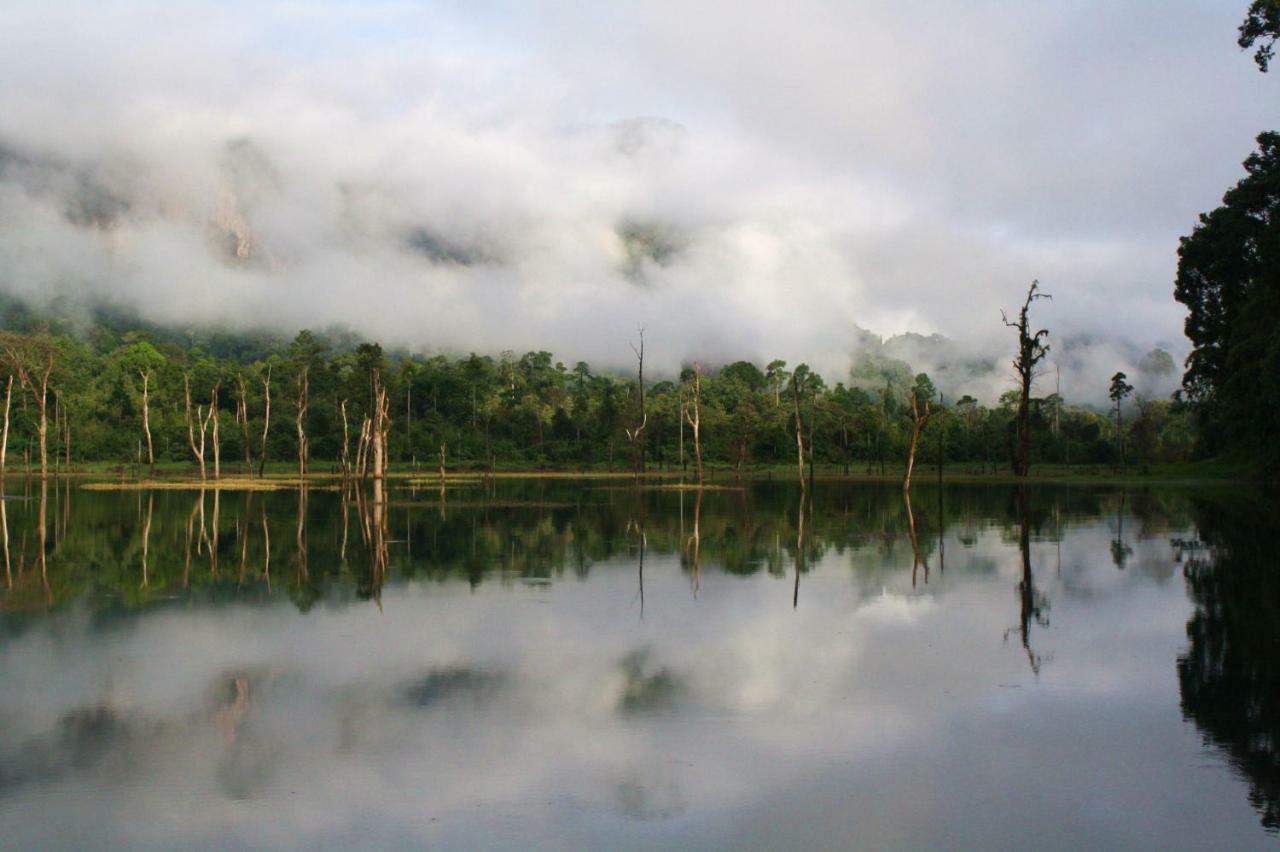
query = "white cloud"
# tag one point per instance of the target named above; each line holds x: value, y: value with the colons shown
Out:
x: 819, y: 166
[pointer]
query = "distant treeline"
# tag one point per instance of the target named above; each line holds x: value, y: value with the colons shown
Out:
x: 510, y: 411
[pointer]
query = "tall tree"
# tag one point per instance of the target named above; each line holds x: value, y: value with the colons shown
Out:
x: 921, y: 411
x: 1031, y: 351
x: 1229, y: 280
x: 144, y: 359
x: 695, y: 418
x: 1118, y: 391
x: 636, y: 435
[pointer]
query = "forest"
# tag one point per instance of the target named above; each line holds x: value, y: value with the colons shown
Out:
x: 103, y: 387
x: 116, y: 393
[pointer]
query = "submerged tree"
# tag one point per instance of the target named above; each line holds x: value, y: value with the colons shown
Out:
x: 32, y: 358
x: 636, y: 435
x: 1031, y: 351
x: 921, y: 400
x: 695, y: 419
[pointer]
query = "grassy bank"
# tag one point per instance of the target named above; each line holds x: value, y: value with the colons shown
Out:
x: 285, y: 474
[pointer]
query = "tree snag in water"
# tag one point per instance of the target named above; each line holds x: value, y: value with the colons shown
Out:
x: 344, y: 457
x: 636, y: 436
x: 197, y: 449
x: 1031, y: 351
x: 145, y: 374
x: 4, y: 436
x: 695, y: 420
x: 796, y: 381
x: 304, y: 388
x: 33, y: 358
x: 217, y: 443
x: 266, y: 420
x: 920, y: 414
x: 242, y: 417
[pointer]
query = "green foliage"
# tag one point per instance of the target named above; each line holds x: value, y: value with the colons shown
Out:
x: 514, y: 411
x: 1261, y: 27
x: 1229, y: 280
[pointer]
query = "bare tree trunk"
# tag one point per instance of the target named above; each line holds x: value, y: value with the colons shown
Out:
x: 4, y: 436
x: 217, y: 442
x: 636, y: 436
x: 4, y: 527
x: 442, y: 449
x: 680, y: 421
x: 381, y: 425
x: 196, y: 449
x: 362, y: 448
x: 695, y: 420
x: 146, y: 415
x: 344, y: 460
x: 67, y: 439
x: 918, y: 421
x: 266, y: 421
x: 799, y: 439
x: 304, y: 386
x: 242, y: 415
x: 42, y: 427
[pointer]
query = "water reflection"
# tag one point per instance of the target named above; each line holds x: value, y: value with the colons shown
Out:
x: 1230, y: 674
x: 484, y: 666
x: 1033, y: 604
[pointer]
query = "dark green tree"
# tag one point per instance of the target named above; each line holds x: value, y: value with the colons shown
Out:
x: 1229, y: 280
x: 1261, y: 27
x: 1118, y: 391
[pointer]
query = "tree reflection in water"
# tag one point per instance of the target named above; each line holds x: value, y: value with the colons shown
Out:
x: 1230, y: 674
x: 1033, y: 605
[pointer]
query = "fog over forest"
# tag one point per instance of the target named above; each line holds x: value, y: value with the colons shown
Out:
x: 491, y: 176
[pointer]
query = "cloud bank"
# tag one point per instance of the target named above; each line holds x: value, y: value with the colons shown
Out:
x: 743, y: 180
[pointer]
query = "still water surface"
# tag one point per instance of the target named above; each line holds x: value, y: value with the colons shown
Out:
x: 560, y: 664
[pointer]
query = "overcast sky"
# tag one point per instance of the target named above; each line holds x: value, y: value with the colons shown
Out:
x: 746, y: 179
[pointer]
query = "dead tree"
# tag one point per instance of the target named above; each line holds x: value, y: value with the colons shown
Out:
x: 197, y: 449
x: 304, y: 387
x: 145, y: 374
x: 344, y: 457
x: 66, y: 438
x: 1031, y: 351
x: 921, y: 412
x: 33, y: 360
x: 796, y: 381
x: 636, y: 436
x: 242, y: 417
x: 4, y: 436
x: 695, y: 419
x: 442, y: 473
x: 214, y: 438
x: 266, y: 420
x: 381, y: 425
x: 362, y: 447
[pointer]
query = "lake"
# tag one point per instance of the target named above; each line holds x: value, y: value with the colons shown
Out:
x: 558, y: 663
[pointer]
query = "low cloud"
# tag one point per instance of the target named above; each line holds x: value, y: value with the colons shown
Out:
x: 552, y: 177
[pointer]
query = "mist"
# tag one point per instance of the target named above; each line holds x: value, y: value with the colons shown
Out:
x: 740, y: 182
